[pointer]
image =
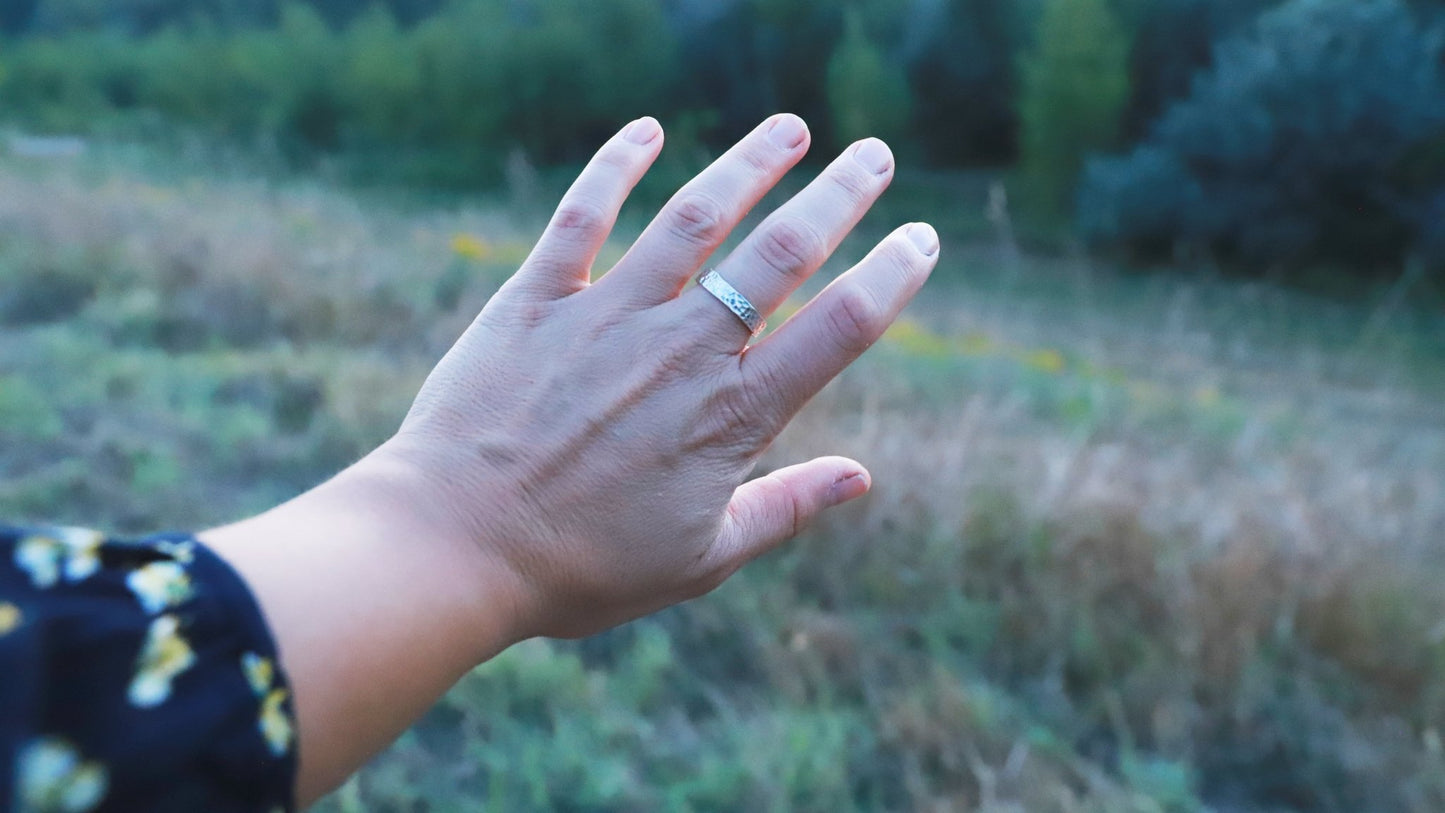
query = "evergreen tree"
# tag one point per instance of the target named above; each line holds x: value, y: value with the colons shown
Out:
x: 1075, y: 87
x: 964, y: 79
x: 867, y: 95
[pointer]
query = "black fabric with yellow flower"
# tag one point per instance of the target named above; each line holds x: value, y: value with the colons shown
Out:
x: 135, y: 675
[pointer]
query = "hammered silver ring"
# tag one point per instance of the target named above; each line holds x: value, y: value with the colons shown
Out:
x: 714, y: 284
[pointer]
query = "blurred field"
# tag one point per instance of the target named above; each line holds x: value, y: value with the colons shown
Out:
x: 1137, y: 542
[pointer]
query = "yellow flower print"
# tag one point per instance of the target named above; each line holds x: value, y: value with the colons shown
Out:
x: 183, y: 551
x: 72, y: 552
x: 53, y: 778
x: 259, y: 672
x: 273, y: 723
x: 164, y: 656
x: 10, y: 617
x: 470, y: 247
x: 159, y: 585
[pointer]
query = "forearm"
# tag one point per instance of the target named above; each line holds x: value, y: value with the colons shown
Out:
x: 376, y: 611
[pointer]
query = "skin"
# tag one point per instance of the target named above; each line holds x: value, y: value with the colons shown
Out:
x: 580, y: 457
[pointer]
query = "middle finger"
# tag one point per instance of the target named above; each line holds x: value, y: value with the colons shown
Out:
x: 699, y: 217
x: 795, y: 241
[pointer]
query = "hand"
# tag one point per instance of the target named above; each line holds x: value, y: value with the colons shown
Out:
x: 592, y: 438
x: 578, y: 458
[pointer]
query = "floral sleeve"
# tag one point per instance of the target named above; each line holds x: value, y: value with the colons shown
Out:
x: 135, y: 675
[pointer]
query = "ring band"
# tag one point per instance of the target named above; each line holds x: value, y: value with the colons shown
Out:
x: 735, y: 302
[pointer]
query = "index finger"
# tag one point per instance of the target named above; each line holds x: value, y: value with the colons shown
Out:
x: 790, y: 366
x: 702, y: 214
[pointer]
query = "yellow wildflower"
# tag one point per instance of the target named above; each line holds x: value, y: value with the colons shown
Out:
x: 914, y: 338
x: 976, y: 344
x: 1045, y: 360
x: 1208, y: 396
x: 470, y: 247
x: 159, y: 585
x: 53, y: 777
x: 164, y: 656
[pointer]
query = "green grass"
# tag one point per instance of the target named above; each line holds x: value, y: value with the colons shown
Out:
x: 1138, y: 542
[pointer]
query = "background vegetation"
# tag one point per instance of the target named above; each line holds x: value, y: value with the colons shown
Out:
x: 1262, y: 135
x: 1163, y: 541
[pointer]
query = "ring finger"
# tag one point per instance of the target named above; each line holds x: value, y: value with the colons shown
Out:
x: 794, y: 242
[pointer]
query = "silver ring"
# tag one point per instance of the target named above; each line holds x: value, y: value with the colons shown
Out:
x: 735, y: 302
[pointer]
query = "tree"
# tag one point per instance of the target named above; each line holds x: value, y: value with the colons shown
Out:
x: 964, y: 79
x: 15, y: 16
x: 867, y: 95
x: 1316, y: 136
x: 1075, y: 87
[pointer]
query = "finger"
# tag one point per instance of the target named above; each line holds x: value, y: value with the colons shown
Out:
x: 561, y: 262
x: 699, y: 217
x: 766, y: 512
x: 798, y: 238
x: 791, y: 365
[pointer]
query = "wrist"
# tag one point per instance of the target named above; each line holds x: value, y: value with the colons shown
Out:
x: 377, y: 608
x: 469, y: 585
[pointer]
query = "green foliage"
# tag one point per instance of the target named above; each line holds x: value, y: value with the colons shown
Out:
x: 1307, y: 142
x: 453, y: 94
x: 463, y: 88
x: 1075, y: 86
x: 868, y: 94
x: 964, y: 79
x: 26, y: 413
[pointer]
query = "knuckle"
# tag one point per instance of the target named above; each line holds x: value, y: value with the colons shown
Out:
x: 901, y: 257
x: 798, y: 512
x: 769, y: 391
x: 853, y: 320
x: 674, y: 361
x: 736, y: 421
x: 581, y: 219
x: 615, y: 158
x: 530, y: 315
x: 854, y: 185
x: 736, y: 413
x: 794, y: 512
x: 697, y: 218
x: 791, y: 246
x: 757, y: 159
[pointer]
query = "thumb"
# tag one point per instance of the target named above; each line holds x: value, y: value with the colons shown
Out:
x: 766, y: 512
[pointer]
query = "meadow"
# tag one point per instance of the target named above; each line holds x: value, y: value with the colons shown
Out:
x: 1139, y: 541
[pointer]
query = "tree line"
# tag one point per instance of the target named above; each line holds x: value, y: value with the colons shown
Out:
x: 1260, y: 132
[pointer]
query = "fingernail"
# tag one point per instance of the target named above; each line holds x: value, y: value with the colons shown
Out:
x: 874, y: 155
x: 643, y: 131
x: 924, y: 238
x: 788, y: 132
x: 848, y: 488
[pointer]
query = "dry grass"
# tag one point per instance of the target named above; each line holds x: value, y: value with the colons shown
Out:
x: 1136, y: 543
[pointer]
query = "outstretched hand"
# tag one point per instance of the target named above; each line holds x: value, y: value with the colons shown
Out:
x: 580, y: 457
x: 593, y: 437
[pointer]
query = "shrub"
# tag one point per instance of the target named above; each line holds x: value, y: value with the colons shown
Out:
x: 1290, y: 149
x: 867, y: 95
x: 964, y: 81
x: 1075, y: 86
